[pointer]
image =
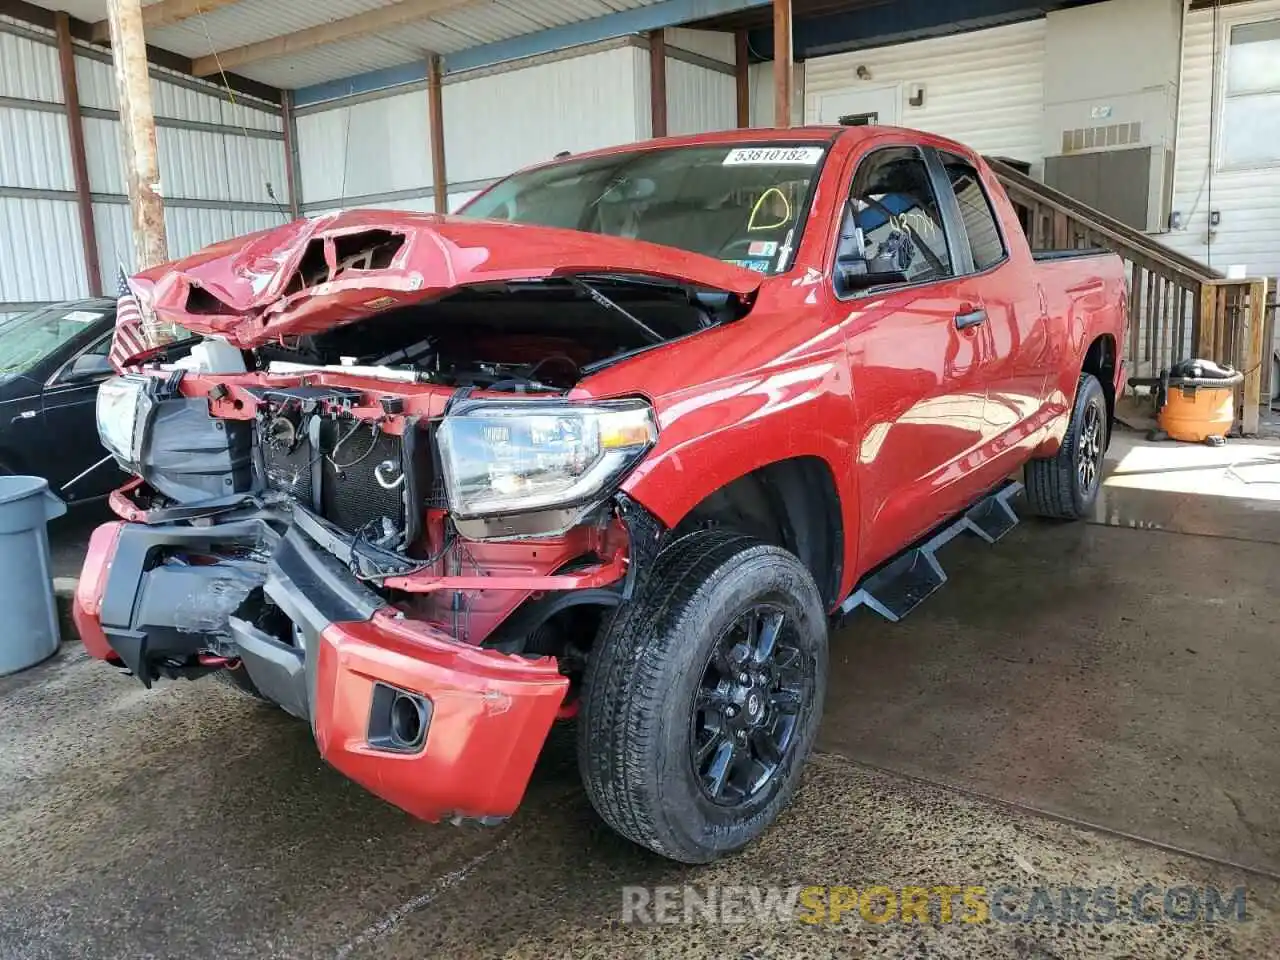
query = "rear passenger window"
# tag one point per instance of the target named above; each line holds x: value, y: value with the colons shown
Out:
x: 896, y: 222
x: 976, y: 212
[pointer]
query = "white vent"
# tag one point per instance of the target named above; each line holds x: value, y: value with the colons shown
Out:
x: 1099, y: 138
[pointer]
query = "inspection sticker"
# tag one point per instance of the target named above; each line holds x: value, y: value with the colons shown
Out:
x: 82, y: 316
x: 773, y: 156
x: 762, y: 248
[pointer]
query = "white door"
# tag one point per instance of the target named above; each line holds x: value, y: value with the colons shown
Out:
x: 879, y: 105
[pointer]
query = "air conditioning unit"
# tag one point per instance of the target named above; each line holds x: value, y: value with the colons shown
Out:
x: 1134, y: 184
x: 1115, y: 153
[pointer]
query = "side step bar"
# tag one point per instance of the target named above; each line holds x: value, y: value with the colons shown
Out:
x: 913, y: 576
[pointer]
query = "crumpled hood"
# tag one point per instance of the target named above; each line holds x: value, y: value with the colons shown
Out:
x: 315, y: 274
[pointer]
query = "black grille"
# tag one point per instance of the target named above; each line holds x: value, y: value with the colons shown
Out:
x: 350, y: 495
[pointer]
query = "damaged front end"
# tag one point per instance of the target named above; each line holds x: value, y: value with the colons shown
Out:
x: 447, y: 511
x: 399, y: 525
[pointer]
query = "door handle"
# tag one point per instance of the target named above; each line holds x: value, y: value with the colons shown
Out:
x: 25, y: 415
x: 971, y: 319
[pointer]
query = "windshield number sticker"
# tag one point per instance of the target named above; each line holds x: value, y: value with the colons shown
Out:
x: 773, y: 156
x: 82, y: 316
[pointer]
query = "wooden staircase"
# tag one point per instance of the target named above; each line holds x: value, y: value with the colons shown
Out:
x: 1178, y: 307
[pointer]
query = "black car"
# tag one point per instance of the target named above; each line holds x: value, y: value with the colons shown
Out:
x: 52, y: 361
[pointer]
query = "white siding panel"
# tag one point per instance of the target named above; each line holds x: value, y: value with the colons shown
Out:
x: 45, y: 264
x: 114, y: 231
x: 321, y: 159
x: 242, y: 114
x: 984, y: 88
x: 760, y: 79
x: 418, y: 204
x: 379, y: 146
x: 172, y: 100
x: 29, y: 69
x: 1249, y: 200
x: 499, y: 123
x: 699, y: 100
x: 203, y: 165
x: 190, y: 229
x: 97, y: 83
x: 251, y: 163
x: 193, y: 164
x: 715, y: 44
x: 104, y: 155
x: 35, y: 150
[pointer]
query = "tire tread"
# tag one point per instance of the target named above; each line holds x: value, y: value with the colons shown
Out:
x: 623, y: 690
x: 1050, y: 481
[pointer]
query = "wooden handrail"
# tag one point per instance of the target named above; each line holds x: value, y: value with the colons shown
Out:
x: 1178, y: 306
x: 1123, y: 238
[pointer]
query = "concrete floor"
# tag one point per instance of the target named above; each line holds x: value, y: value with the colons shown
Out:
x: 1122, y: 677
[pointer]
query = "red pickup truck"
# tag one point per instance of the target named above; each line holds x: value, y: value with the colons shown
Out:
x: 616, y: 443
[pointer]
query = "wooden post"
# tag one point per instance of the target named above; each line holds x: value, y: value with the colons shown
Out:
x: 291, y: 171
x: 435, y: 109
x: 138, y: 125
x: 742, y: 77
x: 658, y: 83
x: 79, y: 166
x: 783, y: 63
x: 1207, y: 322
x: 1135, y: 315
x: 1257, y: 353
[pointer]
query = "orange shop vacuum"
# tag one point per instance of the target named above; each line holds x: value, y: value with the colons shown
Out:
x: 1195, y: 401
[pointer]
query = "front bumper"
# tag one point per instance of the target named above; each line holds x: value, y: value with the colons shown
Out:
x: 487, y: 715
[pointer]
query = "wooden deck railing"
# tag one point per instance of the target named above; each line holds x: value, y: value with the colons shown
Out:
x: 1178, y: 307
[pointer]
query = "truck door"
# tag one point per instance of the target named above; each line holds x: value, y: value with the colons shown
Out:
x: 914, y: 350
x: 1015, y: 331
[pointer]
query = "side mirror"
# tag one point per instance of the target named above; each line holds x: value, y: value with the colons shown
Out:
x: 88, y: 366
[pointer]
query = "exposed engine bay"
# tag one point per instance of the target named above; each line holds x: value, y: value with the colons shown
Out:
x: 341, y: 435
x: 537, y: 336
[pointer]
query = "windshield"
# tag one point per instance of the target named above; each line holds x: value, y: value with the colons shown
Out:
x: 30, y: 337
x: 742, y: 204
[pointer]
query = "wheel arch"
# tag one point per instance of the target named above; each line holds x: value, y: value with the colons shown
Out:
x: 793, y: 503
x: 1102, y: 360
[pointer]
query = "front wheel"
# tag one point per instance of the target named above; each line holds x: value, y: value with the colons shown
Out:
x: 702, y: 700
x: 1065, y: 486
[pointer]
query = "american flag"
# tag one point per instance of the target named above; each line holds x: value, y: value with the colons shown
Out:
x: 129, y: 339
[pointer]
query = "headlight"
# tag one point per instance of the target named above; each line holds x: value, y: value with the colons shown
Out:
x: 504, y: 458
x: 124, y: 407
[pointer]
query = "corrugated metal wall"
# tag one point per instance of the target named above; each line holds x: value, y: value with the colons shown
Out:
x: 760, y: 79
x: 984, y: 88
x: 1248, y: 199
x: 367, y: 148
x: 511, y: 118
x: 220, y: 164
x: 374, y: 150
x: 39, y: 230
x: 699, y: 98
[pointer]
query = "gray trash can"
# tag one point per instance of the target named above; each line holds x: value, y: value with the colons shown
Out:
x: 28, y: 613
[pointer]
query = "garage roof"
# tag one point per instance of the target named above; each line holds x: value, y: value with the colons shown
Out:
x: 292, y: 45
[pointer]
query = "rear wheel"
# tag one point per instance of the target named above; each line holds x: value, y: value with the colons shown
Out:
x: 1065, y: 486
x: 703, y: 698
